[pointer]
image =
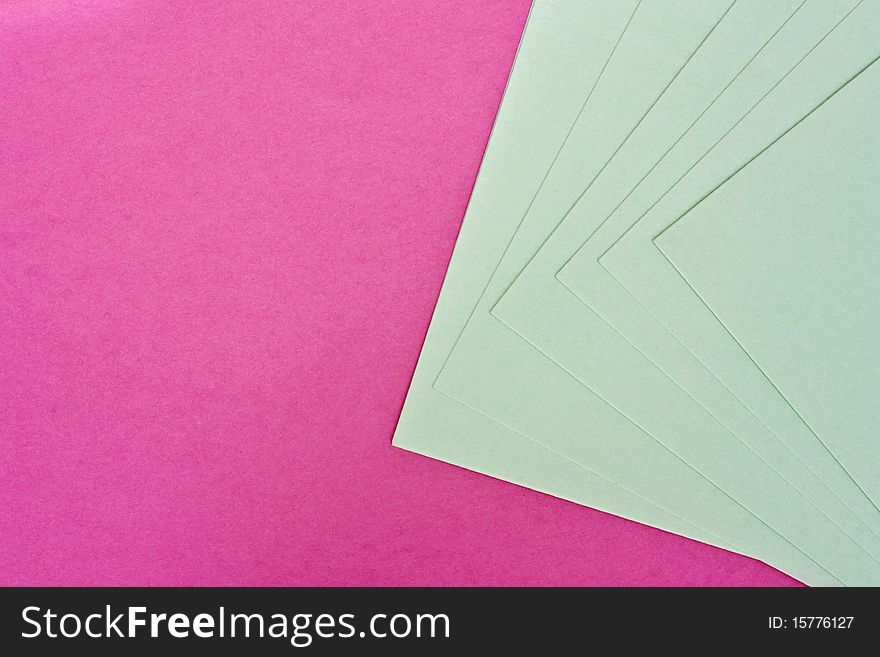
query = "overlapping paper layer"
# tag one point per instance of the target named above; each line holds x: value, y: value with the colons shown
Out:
x: 663, y: 300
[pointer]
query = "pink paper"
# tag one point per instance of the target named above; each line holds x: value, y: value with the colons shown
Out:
x: 223, y: 227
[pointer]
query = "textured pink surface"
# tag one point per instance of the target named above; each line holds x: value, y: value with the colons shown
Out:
x: 223, y: 226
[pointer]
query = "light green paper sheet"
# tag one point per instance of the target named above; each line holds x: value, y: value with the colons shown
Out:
x: 787, y: 255
x: 548, y: 316
x: 493, y: 370
x: 798, y: 456
x: 563, y: 50
x: 641, y: 269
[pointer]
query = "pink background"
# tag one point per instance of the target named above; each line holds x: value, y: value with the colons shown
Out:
x: 223, y: 227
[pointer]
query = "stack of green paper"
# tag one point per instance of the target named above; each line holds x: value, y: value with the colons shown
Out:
x: 663, y: 302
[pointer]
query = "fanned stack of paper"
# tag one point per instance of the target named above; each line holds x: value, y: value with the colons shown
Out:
x: 665, y: 298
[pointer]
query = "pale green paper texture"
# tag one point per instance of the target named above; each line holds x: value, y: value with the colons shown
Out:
x: 632, y: 280
x: 550, y: 318
x: 563, y: 50
x: 495, y: 371
x: 787, y: 255
x: 605, y: 206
